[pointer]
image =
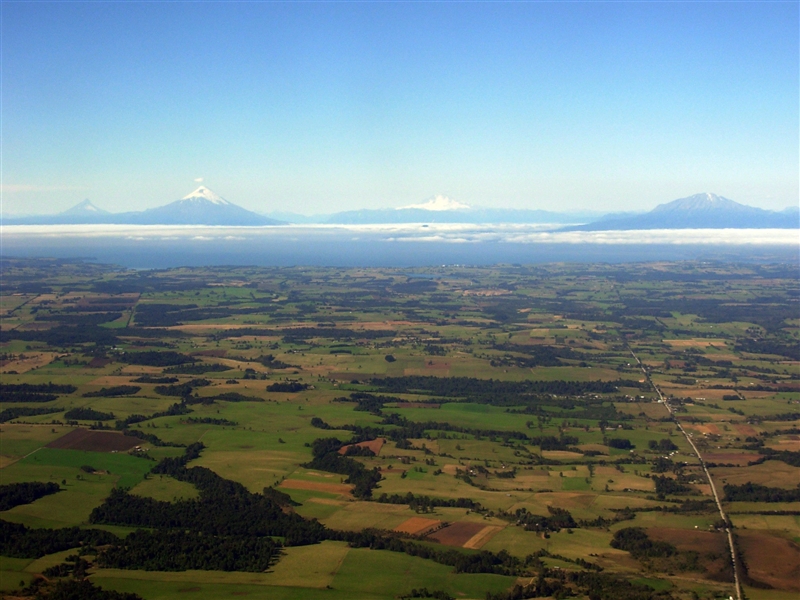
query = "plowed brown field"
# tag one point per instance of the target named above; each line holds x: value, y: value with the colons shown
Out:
x: 457, y: 534
x: 95, y: 441
x: 770, y: 559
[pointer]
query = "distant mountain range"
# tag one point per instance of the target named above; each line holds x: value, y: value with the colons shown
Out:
x: 441, y: 209
x: 701, y: 211
x: 201, y: 207
x: 204, y: 207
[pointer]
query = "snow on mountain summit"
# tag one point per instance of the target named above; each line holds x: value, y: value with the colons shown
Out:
x: 438, y: 203
x: 203, y: 193
x: 701, y: 202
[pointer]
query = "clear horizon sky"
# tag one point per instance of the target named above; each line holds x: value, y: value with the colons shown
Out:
x: 317, y: 107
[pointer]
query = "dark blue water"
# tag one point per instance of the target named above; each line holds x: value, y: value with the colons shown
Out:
x: 344, y: 251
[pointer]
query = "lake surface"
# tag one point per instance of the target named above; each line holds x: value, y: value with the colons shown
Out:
x: 148, y: 247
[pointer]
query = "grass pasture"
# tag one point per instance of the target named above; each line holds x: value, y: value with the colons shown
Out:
x: 165, y: 488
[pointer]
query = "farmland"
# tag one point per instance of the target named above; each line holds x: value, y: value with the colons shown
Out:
x: 365, y: 433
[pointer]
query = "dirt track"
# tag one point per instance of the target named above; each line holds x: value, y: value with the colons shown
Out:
x: 480, y: 538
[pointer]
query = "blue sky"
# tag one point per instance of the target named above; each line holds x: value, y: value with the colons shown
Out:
x: 319, y: 107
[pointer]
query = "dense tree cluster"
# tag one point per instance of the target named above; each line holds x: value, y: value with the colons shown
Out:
x: 183, y: 389
x: 169, y: 315
x: 494, y: 392
x: 551, y: 442
x: 15, y: 494
x: 88, y: 414
x: 19, y: 541
x: 156, y: 379
x: 157, y: 358
x: 535, y: 356
x: 86, y: 319
x: 421, y: 503
x: 619, y: 443
x: 771, y: 346
x: 198, y: 368
x: 64, y: 336
x: 790, y: 457
x: 27, y: 392
x: 210, y: 421
x: 291, y: 387
x: 327, y: 458
x: 559, y: 519
x: 367, y: 402
x: 635, y: 541
x: 116, y: 390
x: 753, y: 492
x: 663, y: 465
x: 9, y: 414
x: 663, y: 445
x: 73, y: 565
x: 176, y: 550
x: 223, y: 508
x: 667, y: 485
x: 271, y: 362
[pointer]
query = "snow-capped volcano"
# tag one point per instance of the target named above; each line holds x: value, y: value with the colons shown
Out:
x: 438, y: 203
x: 703, y: 202
x: 700, y: 211
x: 202, y: 207
x: 203, y: 193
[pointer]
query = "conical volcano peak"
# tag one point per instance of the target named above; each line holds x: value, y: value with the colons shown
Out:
x: 703, y: 201
x: 85, y: 208
x: 204, y: 193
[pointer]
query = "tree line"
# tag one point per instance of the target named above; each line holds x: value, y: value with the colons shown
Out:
x: 116, y: 390
x: 9, y: 414
x: 15, y: 494
x: 754, y: 492
x: 33, y: 392
x: 494, y: 392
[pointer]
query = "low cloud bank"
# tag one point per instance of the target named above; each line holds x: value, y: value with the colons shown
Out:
x: 438, y: 233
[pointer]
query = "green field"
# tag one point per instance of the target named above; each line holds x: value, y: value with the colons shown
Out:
x: 514, y: 413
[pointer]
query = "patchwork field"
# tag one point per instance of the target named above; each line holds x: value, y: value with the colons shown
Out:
x: 376, y: 433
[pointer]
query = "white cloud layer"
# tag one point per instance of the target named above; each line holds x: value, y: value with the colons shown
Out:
x: 435, y: 233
